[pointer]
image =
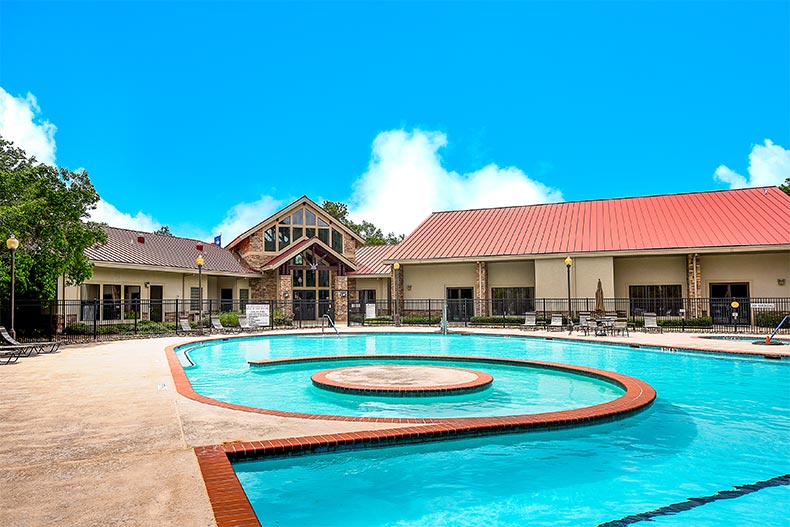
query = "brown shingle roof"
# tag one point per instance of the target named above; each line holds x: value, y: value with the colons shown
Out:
x: 729, y: 218
x: 156, y: 250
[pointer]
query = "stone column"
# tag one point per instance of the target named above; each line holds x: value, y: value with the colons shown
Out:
x: 482, y: 306
x: 396, y: 292
x: 285, y: 303
x: 341, y: 299
x: 694, y: 286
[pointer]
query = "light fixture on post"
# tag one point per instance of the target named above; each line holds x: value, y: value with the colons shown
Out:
x: 12, y: 243
x: 396, y: 267
x: 568, y: 264
x: 200, y: 261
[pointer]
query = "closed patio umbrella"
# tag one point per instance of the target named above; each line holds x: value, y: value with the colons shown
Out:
x: 599, y: 307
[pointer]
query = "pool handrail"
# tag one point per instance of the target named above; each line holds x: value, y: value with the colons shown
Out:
x: 326, y: 316
x: 769, y: 339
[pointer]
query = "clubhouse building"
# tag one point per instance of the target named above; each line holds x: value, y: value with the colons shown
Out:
x: 705, y: 245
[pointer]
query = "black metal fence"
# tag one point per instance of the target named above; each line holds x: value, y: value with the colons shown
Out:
x: 81, y: 320
x: 750, y: 315
x: 78, y: 321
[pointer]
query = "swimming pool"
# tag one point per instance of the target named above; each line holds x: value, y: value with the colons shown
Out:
x: 717, y: 424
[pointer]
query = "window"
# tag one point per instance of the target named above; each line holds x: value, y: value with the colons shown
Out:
x: 512, y: 300
x: 297, y: 217
x: 298, y: 278
x: 89, y: 294
x: 337, y: 241
x: 244, y: 298
x: 323, y: 235
x: 323, y: 278
x: 367, y: 296
x: 284, y: 237
x: 112, y: 302
x: 309, y: 278
x: 310, y: 232
x: 194, y: 299
x: 286, y: 220
x: 322, y: 223
x: 297, y: 233
x: 309, y: 218
x: 268, y: 240
x: 664, y: 300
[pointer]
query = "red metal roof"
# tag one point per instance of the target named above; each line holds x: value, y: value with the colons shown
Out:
x: 155, y: 250
x: 727, y: 218
x: 370, y: 260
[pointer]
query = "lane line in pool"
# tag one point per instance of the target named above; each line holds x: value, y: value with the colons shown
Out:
x: 691, y: 503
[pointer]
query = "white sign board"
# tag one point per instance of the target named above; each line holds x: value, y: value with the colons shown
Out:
x: 370, y: 310
x: 258, y: 314
x: 758, y: 305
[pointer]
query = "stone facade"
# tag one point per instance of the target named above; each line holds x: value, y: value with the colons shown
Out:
x: 285, y: 292
x: 264, y: 288
x: 694, y: 285
x: 482, y: 307
x: 396, y: 291
x: 341, y: 299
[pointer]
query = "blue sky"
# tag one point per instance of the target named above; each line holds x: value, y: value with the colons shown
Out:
x: 208, y: 116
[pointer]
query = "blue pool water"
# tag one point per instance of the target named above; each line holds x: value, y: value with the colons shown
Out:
x: 717, y: 423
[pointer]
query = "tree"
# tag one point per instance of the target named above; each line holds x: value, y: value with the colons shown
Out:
x: 786, y: 187
x: 46, y: 208
x: 369, y: 232
x: 164, y: 230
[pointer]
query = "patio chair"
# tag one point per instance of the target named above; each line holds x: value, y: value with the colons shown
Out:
x: 186, y: 327
x: 651, y: 324
x: 581, y: 325
x: 216, y: 325
x: 38, y: 347
x: 530, y: 321
x: 620, y: 327
x: 556, y: 322
x: 244, y: 325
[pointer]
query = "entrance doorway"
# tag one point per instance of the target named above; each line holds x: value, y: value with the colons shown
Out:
x: 460, y: 304
x: 156, y: 303
x: 226, y: 299
x: 721, y: 298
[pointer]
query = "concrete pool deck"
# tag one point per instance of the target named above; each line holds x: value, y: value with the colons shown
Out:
x: 97, y: 434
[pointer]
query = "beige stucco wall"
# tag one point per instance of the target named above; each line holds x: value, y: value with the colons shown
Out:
x: 380, y: 285
x: 551, y: 277
x: 648, y: 270
x: 430, y: 281
x: 511, y: 274
x: 760, y: 271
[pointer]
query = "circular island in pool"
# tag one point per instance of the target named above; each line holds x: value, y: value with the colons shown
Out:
x: 402, y: 380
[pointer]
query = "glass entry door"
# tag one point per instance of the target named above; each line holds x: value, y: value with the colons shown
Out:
x: 460, y: 304
x: 721, y: 298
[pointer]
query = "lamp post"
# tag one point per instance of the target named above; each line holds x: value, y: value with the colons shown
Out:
x: 12, y: 243
x: 568, y: 264
x: 396, y: 266
x: 200, y: 261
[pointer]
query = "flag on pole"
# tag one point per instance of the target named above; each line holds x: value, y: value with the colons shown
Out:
x: 218, y: 240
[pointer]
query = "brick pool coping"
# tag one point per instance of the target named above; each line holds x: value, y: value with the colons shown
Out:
x: 481, y: 382
x: 231, y: 505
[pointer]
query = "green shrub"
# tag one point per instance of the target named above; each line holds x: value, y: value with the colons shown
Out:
x: 769, y: 320
x: 378, y: 320
x: 414, y: 319
x: 496, y: 321
x: 229, y: 319
x: 698, y: 322
x: 79, y: 328
x: 281, y: 318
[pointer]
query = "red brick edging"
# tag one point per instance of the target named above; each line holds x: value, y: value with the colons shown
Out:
x: 231, y: 505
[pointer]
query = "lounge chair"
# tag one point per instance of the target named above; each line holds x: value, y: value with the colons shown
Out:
x: 11, y: 353
x: 586, y: 324
x: 186, y: 327
x: 216, y: 325
x: 651, y: 324
x: 38, y: 347
x: 556, y: 322
x: 530, y: 321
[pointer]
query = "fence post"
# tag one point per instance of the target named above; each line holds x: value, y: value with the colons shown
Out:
x: 175, y: 317
x: 95, y: 318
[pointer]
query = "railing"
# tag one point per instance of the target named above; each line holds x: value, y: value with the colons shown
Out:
x: 332, y: 324
x: 753, y: 315
x: 88, y: 320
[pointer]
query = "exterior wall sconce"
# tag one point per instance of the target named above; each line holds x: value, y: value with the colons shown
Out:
x: 285, y: 294
x: 408, y: 287
x: 343, y: 294
x: 147, y: 284
x: 780, y: 281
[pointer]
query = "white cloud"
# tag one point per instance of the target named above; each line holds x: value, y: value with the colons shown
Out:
x: 769, y: 164
x: 245, y: 215
x: 406, y: 181
x: 109, y: 214
x: 20, y: 122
